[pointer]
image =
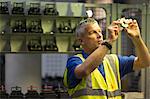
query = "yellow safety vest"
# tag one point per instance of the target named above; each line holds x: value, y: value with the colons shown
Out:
x: 94, y: 86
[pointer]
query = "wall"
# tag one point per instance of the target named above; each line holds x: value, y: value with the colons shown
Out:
x: 22, y: 70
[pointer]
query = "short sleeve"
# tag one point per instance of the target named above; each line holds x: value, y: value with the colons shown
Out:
x: 71, y: 65
x: 126, y: 64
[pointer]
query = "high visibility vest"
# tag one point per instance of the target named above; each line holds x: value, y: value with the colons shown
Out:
x: 94, y: 86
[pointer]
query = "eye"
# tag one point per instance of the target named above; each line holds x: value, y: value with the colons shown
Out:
x: 99, y: 31
x: 94, y: 31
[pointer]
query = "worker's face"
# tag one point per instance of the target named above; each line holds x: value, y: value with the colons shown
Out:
x: 92, y: 37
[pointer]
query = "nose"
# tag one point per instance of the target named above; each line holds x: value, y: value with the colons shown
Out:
x: 99, y: 35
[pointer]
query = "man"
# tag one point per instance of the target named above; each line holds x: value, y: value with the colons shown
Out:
x: 95, y: 74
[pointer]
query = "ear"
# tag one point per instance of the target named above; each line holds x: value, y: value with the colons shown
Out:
x: 80, y: 41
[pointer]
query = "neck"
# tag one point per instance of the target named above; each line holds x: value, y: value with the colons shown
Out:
x: 88, y: 51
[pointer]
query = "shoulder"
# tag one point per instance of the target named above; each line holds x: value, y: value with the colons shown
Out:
x: 126, y: 58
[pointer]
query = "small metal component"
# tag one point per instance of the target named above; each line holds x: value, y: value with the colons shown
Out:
x: 124, y: 22
x: 4, y: 8
x: 50, y: 9
x: 16, y: 93
x: 18, y: 8
x: 34, y: 9
x: 34, y: 45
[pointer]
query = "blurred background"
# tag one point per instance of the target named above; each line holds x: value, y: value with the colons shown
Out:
x: 37, y: 37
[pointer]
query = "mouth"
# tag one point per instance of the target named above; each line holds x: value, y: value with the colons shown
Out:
x: 100, y: 41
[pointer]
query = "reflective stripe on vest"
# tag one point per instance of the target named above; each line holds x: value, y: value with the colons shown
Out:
x: 96, y: 92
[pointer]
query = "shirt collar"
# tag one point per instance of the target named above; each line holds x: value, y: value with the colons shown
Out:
x: 85, y: 55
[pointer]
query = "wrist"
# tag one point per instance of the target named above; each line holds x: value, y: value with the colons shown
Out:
x: 109, y: 41
x: 136, y: 38
x: 137, y: 41
x: 107, y: 44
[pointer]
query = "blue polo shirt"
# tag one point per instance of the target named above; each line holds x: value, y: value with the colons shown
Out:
x: 125, y: 63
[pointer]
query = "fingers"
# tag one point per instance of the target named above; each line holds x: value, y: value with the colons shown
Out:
x: 114, y: 30
x: 116, y: 22
x: 114, y: 27
x: 133, y: 23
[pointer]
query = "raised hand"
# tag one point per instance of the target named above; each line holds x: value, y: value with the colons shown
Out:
x: 133, y: 29
x: 114, y: 30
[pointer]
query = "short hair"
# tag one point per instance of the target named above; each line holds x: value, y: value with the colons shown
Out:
x: 86, y: 21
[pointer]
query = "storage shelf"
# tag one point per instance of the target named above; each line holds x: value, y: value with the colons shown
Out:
x: 17, y: 43
x: 40, y: 52
x: 42, y: 16
x: 36, y: 34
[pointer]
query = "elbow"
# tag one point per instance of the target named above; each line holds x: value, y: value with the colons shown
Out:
x: 146, y: 64
x: 81, y: 72
x: 86, y: 72
x: 139, y: 64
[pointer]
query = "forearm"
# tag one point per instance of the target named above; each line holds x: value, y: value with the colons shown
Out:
x: 143, y: 55
x: 92, y: 62
x: 96, y: 58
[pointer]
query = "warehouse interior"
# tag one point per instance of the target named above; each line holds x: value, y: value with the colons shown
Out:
x: 36, y: 43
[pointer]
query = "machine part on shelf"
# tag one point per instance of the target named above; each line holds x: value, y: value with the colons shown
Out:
x: 34, y: 9
x: 51, y: 44
x: 50, y: 9
x: 65, y: 28
x: 47, y: 92
x: 20, y: 26
x: 16, y: 92
x: 32, y: 93
x: 61, y: 93
x: 34, y: 45
x: 4, y: 8
x: 18, y: 8
x: 47, y: 88
x: 3, y: 93
x: 35, y: 27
